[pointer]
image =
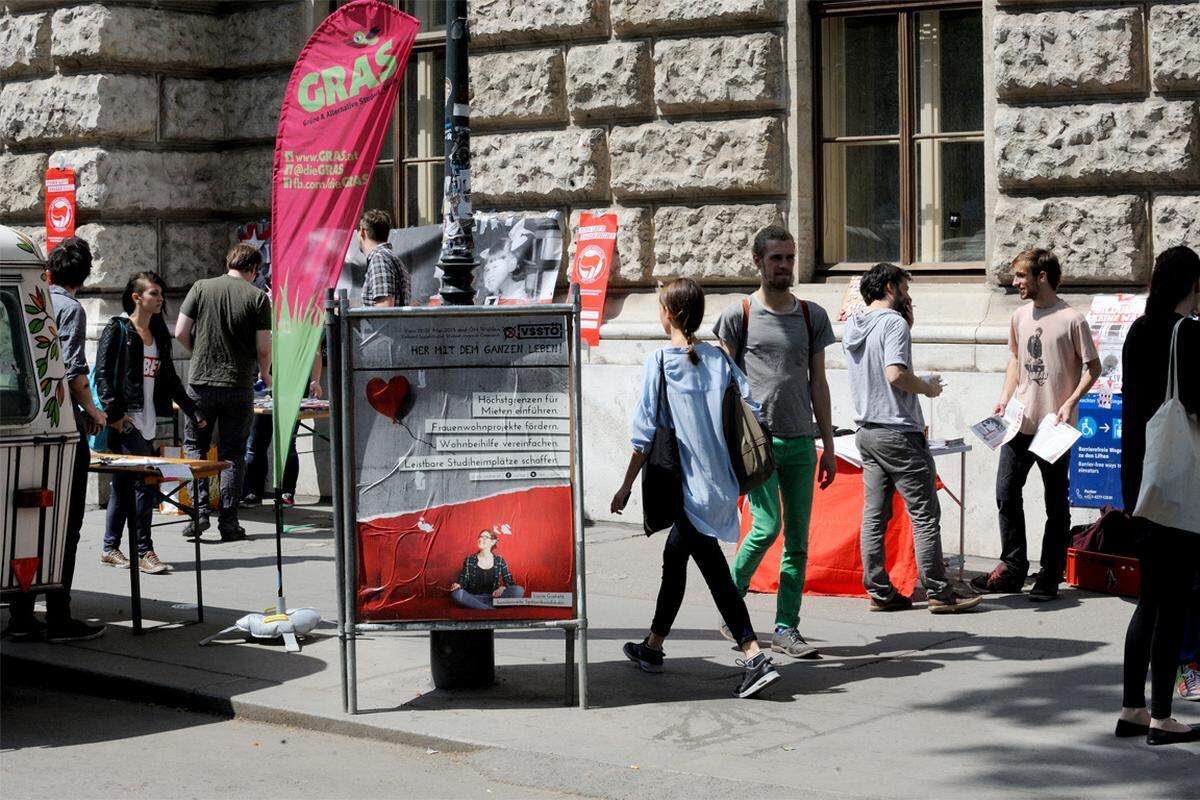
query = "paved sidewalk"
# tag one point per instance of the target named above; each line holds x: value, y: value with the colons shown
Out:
x: 1014, y: 700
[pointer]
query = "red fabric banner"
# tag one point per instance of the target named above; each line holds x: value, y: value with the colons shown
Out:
x: 335, y: 113
x: 595, y: 242
x: 60, y: 206
x: 834, y: 552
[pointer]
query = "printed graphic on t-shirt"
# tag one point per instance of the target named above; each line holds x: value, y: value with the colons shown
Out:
x: 1035, y: 366
x: 150, y: 365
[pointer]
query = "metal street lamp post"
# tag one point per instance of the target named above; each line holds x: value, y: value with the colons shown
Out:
x: 457, y: 261
x: 459, y: 658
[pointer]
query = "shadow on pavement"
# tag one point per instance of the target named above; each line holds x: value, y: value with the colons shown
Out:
x: 1091, y: 756
x: 35, y: 717
x: 214, y: 564
x: 616, y: 682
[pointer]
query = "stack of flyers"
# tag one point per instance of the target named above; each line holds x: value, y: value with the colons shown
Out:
x: 1053, y: 439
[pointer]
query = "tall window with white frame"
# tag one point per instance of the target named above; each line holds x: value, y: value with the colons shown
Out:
x: 900, y: 155
x: 407, y: 181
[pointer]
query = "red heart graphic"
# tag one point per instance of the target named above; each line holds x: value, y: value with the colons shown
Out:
x: 387, y: 397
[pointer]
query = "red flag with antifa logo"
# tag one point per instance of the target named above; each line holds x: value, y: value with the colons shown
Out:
x: 335, y: 113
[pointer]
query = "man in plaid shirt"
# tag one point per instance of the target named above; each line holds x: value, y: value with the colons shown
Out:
x: 386, y: 283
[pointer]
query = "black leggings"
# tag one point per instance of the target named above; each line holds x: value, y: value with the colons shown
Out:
x: 1169, y: 561
x: 683, y: 541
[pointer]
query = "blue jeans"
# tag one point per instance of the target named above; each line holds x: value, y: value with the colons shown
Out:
x: 258, y: 446
x: 131, y: 443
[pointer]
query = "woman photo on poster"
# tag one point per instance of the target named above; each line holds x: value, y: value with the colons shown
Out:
x: 484, y: 577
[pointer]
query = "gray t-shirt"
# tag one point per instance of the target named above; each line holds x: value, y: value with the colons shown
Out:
x: 873, y: 341
x: 775, y: 360
x: 71, y: 321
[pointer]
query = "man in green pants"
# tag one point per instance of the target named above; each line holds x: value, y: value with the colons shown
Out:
x: 779, y: 341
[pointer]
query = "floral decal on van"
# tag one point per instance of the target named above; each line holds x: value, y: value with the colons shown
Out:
x: 45, y: 341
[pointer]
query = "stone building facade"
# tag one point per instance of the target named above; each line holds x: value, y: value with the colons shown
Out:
x: 167, y: 115
x: 695, y: 122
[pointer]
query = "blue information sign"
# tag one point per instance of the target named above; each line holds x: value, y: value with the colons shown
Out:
x: 1096, y: 461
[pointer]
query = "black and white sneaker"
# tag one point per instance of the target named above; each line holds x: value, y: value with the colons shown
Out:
x: 759, y: 675
x: 647, y: 658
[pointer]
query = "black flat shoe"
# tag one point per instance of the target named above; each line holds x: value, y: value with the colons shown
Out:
x: 1159, y: 736
x: 1128, y: 730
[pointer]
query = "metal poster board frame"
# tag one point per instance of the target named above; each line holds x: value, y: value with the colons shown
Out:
x: 340, y: 319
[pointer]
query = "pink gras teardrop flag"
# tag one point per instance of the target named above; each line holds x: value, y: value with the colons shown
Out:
x: 335, y: 113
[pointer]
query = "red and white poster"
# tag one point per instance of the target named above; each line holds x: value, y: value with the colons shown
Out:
x: 595, y: 243
x: 462, y: 453
x: 60, y: 206
x: 1110, y: 318
x: 852, y: 302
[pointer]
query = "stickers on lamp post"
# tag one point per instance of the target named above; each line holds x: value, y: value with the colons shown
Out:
x: 595, y: 242
x: 60, y: 206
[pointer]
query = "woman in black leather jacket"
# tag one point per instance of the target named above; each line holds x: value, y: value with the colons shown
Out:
x: 135, y: 384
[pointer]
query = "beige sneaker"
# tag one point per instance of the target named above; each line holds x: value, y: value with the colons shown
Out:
x: 150, y: 564
x: 114, y: 558
x: 952, y: 604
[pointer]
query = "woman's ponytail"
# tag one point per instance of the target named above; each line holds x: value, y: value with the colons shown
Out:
x: 684, y: 301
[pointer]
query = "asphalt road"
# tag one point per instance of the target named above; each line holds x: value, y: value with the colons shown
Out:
x: 62, y: 745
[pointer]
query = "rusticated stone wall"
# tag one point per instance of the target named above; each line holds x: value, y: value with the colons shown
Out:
x: 1097, y: 134
x: 672, y: 113
x: 167, y: 115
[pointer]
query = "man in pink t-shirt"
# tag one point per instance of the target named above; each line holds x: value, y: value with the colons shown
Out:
x: 1053, y: 363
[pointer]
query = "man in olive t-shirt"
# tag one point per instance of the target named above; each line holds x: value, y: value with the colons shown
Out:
x: 226, y: 322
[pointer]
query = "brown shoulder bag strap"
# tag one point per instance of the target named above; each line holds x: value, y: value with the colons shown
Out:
x: 808, y: 326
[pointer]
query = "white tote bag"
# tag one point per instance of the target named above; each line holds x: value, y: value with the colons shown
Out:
x: 1170, y: 493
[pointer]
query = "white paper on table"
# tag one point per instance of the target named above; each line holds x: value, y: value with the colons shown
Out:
x: 174, y: 472
x: 846, y: 449
x: 996, y: 430
x: 1052, y: 439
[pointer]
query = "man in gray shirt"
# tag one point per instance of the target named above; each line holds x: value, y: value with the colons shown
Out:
x: 891, y: 440
x: 779, y: 341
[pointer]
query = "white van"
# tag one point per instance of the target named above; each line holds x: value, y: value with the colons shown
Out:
x: 37, y: 424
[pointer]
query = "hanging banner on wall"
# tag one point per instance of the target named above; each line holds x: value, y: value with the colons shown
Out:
x: 852, y: 302
x: 335, y: 113
x: 1109, y: 318
x: 520, y: 256
x: 60, y: 206
x: 595, y: 243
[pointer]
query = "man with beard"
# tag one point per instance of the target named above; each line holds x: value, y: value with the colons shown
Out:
x: 779, y: 341
x: 1053, y: 364
x: 891, y: 440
